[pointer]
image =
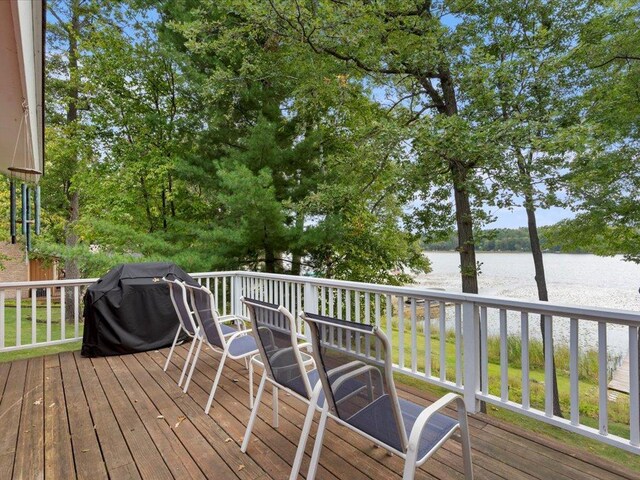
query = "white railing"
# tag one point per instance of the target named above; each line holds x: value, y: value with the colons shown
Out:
x: 431, y: 332
x: 54, y: 305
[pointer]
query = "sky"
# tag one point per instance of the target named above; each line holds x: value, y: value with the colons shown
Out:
x: 518, y: 217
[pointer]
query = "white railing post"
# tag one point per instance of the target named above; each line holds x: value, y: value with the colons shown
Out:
x: 310, y: 304
x: 236, y: 293
x: 2, y: 317
x: 471, y: 338
x: 634, y: 393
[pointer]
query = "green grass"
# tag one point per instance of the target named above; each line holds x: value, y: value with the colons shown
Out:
x: 617, y: 455
x: 588, y: 386
x: 39, y: 351
x: 38, y: 330
x: 618, y: 410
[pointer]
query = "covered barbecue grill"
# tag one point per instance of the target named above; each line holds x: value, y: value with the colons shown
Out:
x: 129, y: 310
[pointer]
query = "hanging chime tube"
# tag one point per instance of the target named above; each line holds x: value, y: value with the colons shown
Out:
x: 12, y: 212
x: 37, y: 210
x: 25, y: 202
x: 28, y: 216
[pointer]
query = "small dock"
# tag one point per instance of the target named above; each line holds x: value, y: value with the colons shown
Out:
x: 620, y: 380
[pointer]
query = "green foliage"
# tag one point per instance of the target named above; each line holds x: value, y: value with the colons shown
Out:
x: 604, y: 180
x: 229, y: 134
x: 504, y: 240
x: 587, y: 363
x: 203, y: 140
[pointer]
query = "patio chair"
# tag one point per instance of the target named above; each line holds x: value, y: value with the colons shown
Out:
x: 186, y: 323
x: 189, y: 324
x: 285, y: 367
x: 411, y: 431
x: 239, y: 345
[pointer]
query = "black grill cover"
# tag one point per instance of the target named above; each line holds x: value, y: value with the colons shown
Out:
x: 129, y: 310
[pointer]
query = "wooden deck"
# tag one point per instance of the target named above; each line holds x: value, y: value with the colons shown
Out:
x: 620, y: 380
x: 64, y: 416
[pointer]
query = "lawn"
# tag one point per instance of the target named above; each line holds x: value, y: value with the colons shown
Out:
x: 39, y: 330
x: 618, y: 410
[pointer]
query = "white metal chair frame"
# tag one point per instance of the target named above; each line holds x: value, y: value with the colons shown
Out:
x: 183, y: 325
x: 226, y: 341
x: 192, y: 320
x: 313, y: 392
x: 409, y: 440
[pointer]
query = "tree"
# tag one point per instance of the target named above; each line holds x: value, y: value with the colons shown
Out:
x: 67, y: 135
x: 604, y: 181
x: 410, y: 50
x: 530, y: 91
x: 279, y: 125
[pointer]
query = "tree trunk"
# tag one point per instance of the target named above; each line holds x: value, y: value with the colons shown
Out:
x: 464, y: 216
x: 172, y: 205
x: 147, y: 205
x: 164, y: 209
x: 296, y: 257
x: 464, y: 224
x: 269, y: 260
x: 541, y: 281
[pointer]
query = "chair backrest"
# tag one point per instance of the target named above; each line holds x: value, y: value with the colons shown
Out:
x: 355, y: 367
x: 203, y: 304
x: 180, y: 302
x: 275, y: 332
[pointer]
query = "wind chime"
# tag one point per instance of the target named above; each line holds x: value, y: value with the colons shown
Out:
x: 28, y: 177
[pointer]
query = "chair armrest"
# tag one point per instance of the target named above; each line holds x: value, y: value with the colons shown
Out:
x: 232, y: 318
x: 354, y: 373
x: 346, y: 366
x: 240, y: 333
x: 424, y: 417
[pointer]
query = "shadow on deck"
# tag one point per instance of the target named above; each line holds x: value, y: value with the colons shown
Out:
x: 64, y: 416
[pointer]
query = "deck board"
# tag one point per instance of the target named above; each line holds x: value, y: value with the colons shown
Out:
x: 65, y: 416
x: 87, y: 454
x: 149, y: 460
x: 116, y: 454
x: 10, y: 413
x: 29, y: 460
x: 58, y: 451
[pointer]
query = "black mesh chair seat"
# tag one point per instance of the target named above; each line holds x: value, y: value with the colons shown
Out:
x: 374, y: 420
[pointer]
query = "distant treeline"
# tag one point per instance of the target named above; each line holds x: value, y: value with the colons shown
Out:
x: 500, y: 240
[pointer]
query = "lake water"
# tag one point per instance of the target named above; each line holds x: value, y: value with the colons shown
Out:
x: 585, y: 280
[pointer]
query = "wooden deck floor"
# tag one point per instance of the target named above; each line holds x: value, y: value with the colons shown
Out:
x: 64, y: 417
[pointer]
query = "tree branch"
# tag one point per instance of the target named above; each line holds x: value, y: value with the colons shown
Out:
x: 614, y: 58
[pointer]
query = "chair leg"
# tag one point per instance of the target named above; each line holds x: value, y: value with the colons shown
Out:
x: 215, y: 382
x: 317, y: 447
x: 466, y: 445
x: 173, y: 346
x: 254, y: 414
x: 274, y: 403
x: 186, y: 362
x: 410, y: 462
x: 251, y: 383
x: 193, y: 365
x: 304, y: 436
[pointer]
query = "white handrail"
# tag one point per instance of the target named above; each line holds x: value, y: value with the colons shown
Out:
x: 417, y: 321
